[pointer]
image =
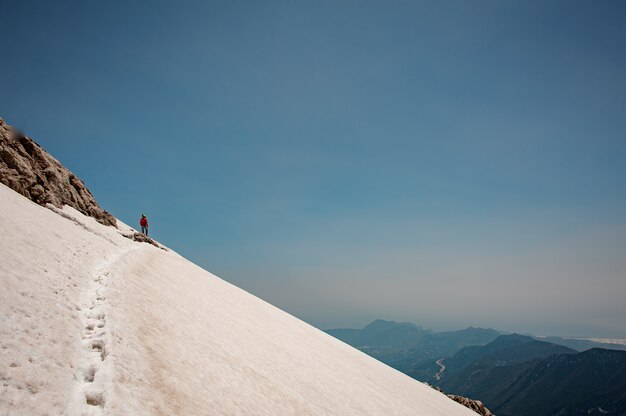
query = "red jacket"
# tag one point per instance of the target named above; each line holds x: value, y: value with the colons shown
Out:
x: 143, y: 222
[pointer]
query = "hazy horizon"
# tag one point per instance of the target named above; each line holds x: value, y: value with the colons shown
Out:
x: 449, y: 164
x: 504, y: 331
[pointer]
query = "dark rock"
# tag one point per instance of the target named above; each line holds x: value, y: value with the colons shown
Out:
x: 475, y: 405
x: 142, y: 239
x: 29, y: 170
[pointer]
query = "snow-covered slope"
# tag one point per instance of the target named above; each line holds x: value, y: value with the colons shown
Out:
x: 94, y: 323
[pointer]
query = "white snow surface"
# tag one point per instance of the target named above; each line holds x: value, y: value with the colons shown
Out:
x: 93, y: 323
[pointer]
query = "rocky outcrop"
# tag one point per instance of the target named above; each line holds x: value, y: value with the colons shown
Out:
x: 143, y: 239
x: 475, y: 405
x: 29, y: 170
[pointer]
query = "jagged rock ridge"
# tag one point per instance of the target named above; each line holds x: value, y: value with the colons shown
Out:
x: 29, y: 170
x: 475, y: 405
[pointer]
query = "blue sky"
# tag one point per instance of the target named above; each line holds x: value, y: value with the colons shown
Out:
x: 449, y: 163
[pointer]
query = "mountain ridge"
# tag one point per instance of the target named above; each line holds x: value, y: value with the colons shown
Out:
x: 591, y: 382
x: 31, y: 171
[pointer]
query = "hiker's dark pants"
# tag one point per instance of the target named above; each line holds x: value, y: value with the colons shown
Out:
x: 144, y: 230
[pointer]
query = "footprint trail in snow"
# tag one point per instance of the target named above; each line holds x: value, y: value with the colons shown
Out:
x: 93, y: 371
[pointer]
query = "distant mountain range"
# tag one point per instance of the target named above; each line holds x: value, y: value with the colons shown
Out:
x: 404, y: 345
x: 518, y: 375
x: 582, y: 344
x: 413, y: 349
x: 472, y: 365
x: 513, y: 375
x: 504, y: 350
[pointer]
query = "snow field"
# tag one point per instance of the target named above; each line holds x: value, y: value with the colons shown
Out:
x: 96, y: 324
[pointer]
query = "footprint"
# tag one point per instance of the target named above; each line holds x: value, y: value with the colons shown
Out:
x: 94, y: 398
x: 90, y: 374
x: 96, y: 315
x: 98, y: 345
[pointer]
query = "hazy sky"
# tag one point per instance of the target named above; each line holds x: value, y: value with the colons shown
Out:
x: 449, y: 163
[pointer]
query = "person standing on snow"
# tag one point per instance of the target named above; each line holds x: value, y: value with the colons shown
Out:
x: 144, y: 224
